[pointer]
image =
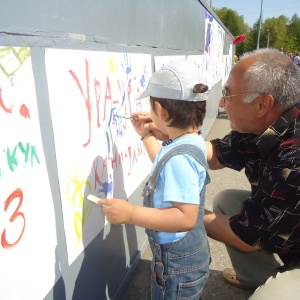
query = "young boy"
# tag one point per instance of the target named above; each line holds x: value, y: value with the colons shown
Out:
x: 175, y: 192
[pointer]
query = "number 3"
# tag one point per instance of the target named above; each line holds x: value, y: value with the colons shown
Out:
x: 15, y: 194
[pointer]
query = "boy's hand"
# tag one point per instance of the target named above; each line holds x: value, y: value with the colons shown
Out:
x: 145, y: 124
x: 142, y: 119
x: 117, y: 211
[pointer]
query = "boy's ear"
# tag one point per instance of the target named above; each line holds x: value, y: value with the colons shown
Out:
x: 160, y: 111
x: 265, y: 103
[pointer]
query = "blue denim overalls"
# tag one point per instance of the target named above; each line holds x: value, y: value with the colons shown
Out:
x: 179, y: 269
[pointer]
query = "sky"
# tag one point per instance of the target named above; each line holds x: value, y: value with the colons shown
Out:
x: 250, y: 9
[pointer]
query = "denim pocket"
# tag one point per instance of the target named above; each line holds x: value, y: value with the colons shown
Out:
x: 159, y: 274
x: 191, y: 290
x: 187, y: 257
x: 158, y: 283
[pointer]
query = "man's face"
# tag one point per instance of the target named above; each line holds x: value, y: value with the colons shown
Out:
x: 242, y: 115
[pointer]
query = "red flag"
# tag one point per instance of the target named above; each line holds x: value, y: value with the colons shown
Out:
x: 239, y: 39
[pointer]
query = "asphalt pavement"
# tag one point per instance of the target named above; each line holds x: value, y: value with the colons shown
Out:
x: 138, y: 288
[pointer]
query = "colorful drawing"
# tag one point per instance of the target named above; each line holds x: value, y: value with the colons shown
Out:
x: 227, y: 65
x: 27, y: 220
x: 97, y: 152
x: 213, y: 49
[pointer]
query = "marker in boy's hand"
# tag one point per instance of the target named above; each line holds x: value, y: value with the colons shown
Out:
x: 93, y: 198
x: 124, y: 117
x: 145, y: 124
x: 138, y: 123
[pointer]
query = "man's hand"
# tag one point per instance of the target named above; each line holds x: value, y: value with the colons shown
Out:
x: 218, y: 228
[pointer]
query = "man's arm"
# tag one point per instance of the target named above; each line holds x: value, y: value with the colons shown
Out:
x: 212, y: 159
x: 217, y: 228
x: 152, y: 146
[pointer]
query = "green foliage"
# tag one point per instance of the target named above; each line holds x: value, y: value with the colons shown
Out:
x: 236, y: 25
x: 294, y: 33
x: 277, y: 32
x: 232, y: 20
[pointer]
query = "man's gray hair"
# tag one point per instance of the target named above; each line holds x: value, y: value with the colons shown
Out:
x: 272, y: 73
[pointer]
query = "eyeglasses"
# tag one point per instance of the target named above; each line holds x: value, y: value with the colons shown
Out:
x: 224, y: 96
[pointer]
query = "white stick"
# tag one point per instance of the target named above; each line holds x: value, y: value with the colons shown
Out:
x: 94, y: 199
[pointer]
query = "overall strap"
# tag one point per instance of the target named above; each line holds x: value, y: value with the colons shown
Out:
x: 189, y: 149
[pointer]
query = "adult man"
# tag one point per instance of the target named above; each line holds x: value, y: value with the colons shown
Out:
x: 262, y: 100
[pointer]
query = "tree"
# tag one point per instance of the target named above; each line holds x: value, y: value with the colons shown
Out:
x: 235, y: 24
x: 283, y: 33
x: 294, y: 32
x: 232, y: 20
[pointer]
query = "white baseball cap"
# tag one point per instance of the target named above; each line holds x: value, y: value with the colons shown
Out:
x: 176, y: 80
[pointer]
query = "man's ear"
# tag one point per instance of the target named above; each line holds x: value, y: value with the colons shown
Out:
x: 264, y: 104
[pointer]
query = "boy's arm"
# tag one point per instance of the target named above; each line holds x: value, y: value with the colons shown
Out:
x: 180, y: 217
x: 140, y: 122
x: 152, y: 146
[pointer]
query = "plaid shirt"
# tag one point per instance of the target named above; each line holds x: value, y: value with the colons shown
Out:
x: 270, y: 218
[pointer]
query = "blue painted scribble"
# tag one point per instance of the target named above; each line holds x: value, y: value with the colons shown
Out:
x: 143, y: 79
x: 108, y: 130
x: 13, y: 80
x: 107, y: 187
x: 119, y: 122
x: 127, y: 67
x: 208, y: 32
x: 209, y: 17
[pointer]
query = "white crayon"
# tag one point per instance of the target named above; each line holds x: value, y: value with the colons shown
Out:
x: 94, y: 199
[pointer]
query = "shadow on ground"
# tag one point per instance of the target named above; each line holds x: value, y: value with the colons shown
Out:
x: 139, y: 287
x: 215, y: 288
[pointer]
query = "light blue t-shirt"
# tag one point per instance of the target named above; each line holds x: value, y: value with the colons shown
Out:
x: 181, y: 180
